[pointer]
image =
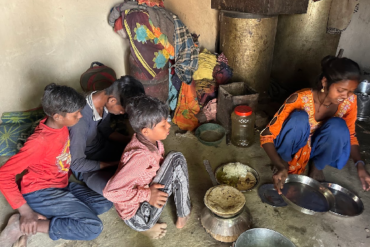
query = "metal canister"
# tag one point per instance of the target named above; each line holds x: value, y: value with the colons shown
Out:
x: 363, y: 100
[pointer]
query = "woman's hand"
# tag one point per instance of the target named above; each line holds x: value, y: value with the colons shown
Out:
x: 279, y: 179
x: 364, y: 177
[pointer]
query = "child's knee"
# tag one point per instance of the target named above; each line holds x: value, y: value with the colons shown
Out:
x: 93, y: 228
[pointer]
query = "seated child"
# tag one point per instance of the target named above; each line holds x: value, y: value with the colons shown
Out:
x: 144, y: 179
x: 46, y: 202
x: 95, y: 148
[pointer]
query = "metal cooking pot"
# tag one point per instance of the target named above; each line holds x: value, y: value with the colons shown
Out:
x: 262, y: 237
x: 363, y: 106
x: 364, y: 87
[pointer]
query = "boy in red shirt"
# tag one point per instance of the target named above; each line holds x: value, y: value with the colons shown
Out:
x: 144, y: 179
x: 46, y: 202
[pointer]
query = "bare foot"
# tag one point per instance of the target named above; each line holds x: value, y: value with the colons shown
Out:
x: 316, y: 174
x: 157, y: 231
x: 22, y: 241
x: 11, y: 233
x: 181, y: 221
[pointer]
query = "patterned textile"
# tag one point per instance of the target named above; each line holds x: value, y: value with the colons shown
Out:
x: 187, y: 108
x: 173, y: 174
x: 346, y: 110
x: 330, y: 143
x: 186, y: 52
x: 22, y: 116
x: 210, y: 110
x: 129, y: 187
x: 9, y: 135
x: 206, y: 90
x: 222, y: 58
x: 152, y: 3
x: 207, y: 62
x: 149, y: 47
x: 222, y: 73
x: 16, y: 127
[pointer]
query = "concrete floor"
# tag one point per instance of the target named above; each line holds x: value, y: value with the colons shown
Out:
x: 304, y: 230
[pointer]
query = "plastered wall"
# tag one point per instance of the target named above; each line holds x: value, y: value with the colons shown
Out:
x: 44, y: 41
x: 355, y: 40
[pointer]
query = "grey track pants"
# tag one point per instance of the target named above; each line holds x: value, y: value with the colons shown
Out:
x: 173, y: 174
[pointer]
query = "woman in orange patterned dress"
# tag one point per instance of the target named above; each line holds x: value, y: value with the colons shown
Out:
x: 317, y: 125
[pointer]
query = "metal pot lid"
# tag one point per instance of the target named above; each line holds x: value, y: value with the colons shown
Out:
x: 269, y: 195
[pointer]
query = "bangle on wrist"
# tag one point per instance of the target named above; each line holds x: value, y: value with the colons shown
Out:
x: 358, y: 162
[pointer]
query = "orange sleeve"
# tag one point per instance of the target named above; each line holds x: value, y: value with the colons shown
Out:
x: 277, y: 122
x: 350, y: 117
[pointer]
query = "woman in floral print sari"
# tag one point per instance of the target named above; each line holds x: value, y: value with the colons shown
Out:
x: 317, y: 125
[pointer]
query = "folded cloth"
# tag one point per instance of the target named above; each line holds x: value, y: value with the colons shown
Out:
x: 186, y: 52
x: 210, y: 110
x: 340, y: 15
x: 222, y: 73
x: 207, y: 62
x: 152, y: 3
x: 163, y: 19
x: 222, y: 58
x: 187, y: 108
x: 206, y: 90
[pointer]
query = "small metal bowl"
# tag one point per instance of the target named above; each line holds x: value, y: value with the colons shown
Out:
x: 262, y: 237
x: 249, y: 169
x: 210, y: 134
x: 306, y: 195
x: 347, y: 204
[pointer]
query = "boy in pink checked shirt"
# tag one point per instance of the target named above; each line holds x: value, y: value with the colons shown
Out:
x: 144, y: 179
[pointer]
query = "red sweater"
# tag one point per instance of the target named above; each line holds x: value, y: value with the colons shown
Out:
x: 45, y: 156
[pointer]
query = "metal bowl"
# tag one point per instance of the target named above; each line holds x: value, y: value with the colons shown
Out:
x: 210, y: 134
x: 225, y: 230
x: 262, y: 237
x: 306, y: 195
x: 249, y: 169
x: 346, y: 204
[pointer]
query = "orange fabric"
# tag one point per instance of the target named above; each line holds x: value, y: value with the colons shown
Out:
x: 346, y: 110
x: 152, y: 3
x: 187, y: 108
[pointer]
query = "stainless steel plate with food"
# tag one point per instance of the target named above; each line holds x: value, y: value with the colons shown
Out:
x: 237, y: 175
x: 262, y: 237
x: 346, y: 203
x: 269, y: 195
x: 307, y: 195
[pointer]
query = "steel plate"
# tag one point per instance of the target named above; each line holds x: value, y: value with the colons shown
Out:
x: 269, y: 195
x: 346, y: 204
x: 249, y: 169
x: 307, y: 195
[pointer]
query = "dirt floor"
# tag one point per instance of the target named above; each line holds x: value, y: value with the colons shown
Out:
x: 304, y: 230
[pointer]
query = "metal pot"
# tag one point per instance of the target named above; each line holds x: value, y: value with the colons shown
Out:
x: 364, y: 87
x: 262, y: 237
x: 225, y: 230
x: 363, y: 106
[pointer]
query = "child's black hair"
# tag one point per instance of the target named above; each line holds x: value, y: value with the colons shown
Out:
x: 146, y: 112
x: 61, y: 100
x: 336, y: 69
x: 125, y: 88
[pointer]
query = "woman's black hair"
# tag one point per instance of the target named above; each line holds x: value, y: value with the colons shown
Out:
x: 125, y: 88
x: 145, y: 112
x: 336, y: 69
x: 61, y: 100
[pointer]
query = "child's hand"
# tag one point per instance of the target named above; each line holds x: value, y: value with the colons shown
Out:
x: 28, y: 220
x: 157, y: 198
